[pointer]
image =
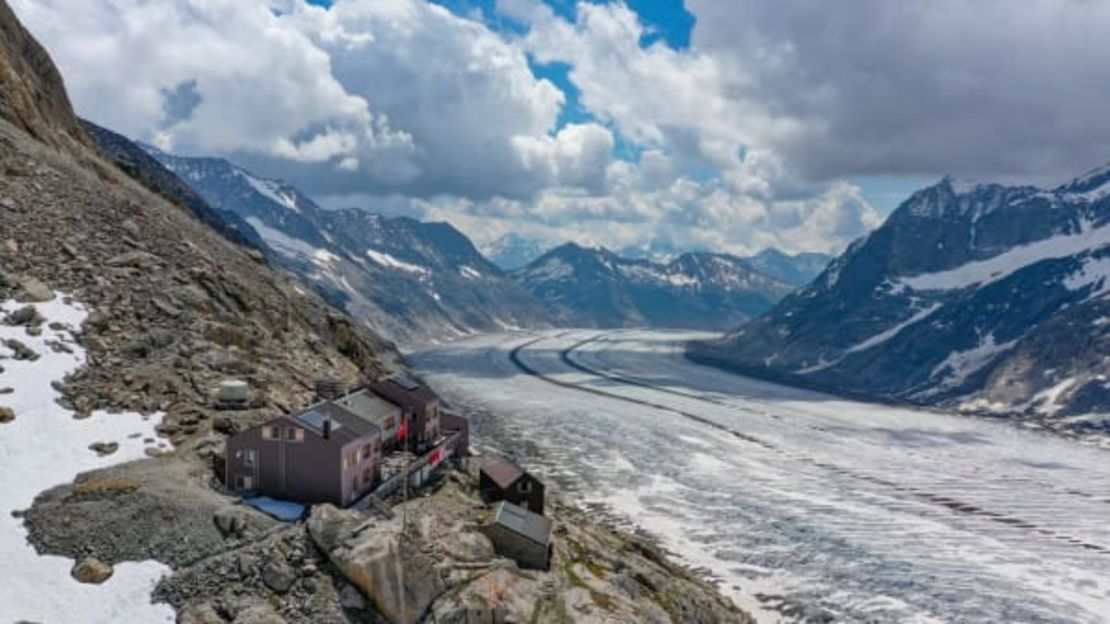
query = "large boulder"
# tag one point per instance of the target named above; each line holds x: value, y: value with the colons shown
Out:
x: 92, y: 571
x: 32, y: 290
x: 279, y: 576
x: 232, y: 520
x: 374, y: 558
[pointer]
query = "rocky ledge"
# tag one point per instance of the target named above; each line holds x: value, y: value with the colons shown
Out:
x: 233, y: 564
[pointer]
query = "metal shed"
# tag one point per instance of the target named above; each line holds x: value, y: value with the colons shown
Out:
x: 521, y: 535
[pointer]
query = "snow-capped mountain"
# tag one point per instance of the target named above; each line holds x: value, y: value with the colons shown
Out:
x: 596, y: 288
x: 798, y: 269
x: 987, y: 297
x: 409, y: 280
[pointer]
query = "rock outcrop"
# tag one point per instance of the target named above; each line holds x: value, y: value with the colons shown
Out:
x: 32, y: 95
x: 452, y: 575
x: 394, y: 571
x: 92, y: 571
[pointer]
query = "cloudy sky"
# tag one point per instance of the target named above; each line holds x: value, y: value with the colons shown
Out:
x: 730, y: 125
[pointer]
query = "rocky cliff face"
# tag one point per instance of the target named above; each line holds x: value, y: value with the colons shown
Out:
x: 411, y: 281
x: 32, y: 95
x: 596, y: 288
x: 984, y: 297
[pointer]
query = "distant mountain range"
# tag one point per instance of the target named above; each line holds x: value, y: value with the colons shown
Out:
x: 409, y: 280
x: 513, y: 251
x: 985, y: 297
x: 799, y: 269
x: 596, y: 288
x: 414, y: 281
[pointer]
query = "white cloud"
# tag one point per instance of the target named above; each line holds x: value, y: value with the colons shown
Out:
x: 388, y: 95
x: 261, y: 85
x: 918, y: 87
x: 405, y: 106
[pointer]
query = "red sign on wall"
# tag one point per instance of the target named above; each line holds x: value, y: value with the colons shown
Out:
x: 435, y: 457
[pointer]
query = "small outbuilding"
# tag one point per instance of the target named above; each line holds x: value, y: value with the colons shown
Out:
x: 521, y: 535
x: 499, y: 479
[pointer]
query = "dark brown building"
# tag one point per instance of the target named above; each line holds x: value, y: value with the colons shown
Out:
x: 421, y: 408
x: 501, y: 480
x: 453, y: 423
x: 324, y: 454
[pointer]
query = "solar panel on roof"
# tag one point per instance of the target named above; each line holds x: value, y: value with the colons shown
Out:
x: 404, y: 382
x: 315, y: 420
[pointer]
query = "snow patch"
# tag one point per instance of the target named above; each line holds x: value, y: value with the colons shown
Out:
x: 983, y: 272
x: 46, y: 446
x: 287, y: 245
x: 879, y: 339
x: 960, y: 365
x: 1094, y: 272
x: 551, y: 270
x: 390, y: 262
x: 271, y: 190
x: 1047, y: 401
x: 469, y: 272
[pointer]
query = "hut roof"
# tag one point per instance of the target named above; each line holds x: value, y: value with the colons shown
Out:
x: 533, y: 526
x: 502, y: 471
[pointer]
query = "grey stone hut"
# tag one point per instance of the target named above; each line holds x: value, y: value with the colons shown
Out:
x: 521, y: 535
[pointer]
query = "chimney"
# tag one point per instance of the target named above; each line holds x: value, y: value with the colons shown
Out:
x: 327, y: 427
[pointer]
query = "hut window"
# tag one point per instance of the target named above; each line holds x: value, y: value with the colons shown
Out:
x: 249, y: 458
x: 294, y: 434
x: 270, y: 433
x: 525, y: 486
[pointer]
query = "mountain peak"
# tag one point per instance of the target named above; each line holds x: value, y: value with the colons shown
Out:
x: 1091, y: 180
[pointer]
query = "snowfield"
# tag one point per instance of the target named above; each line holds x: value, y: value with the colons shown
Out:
x: 43, y: 447
x: 801, y: 504
x: 983, y: 272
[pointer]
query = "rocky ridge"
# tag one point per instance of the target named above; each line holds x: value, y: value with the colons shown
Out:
x: 409, y: 280
x: 346, y: 566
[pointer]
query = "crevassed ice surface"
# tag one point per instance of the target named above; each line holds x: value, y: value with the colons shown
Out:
x: 799, y: 503
x: 43, y: 447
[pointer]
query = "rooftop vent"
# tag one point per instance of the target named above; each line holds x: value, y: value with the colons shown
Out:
x: 328, y: 389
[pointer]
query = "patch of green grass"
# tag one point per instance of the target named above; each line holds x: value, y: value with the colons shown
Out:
x: 582, y: 555
x: 602, y: 600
